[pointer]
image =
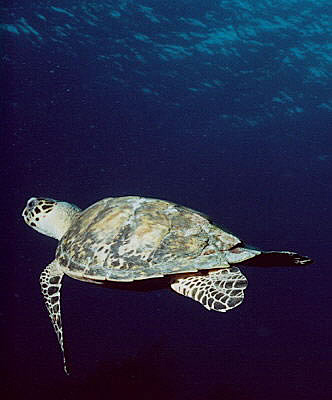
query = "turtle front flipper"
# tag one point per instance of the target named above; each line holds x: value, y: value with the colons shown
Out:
x: 50, y: 282
x: 219, y: 290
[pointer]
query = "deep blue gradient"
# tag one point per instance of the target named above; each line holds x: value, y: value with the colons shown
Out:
x: 223, y: 106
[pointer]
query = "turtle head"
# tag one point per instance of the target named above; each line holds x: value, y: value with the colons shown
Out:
x: 50, y: 217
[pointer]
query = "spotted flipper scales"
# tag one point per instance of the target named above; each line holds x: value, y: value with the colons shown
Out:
x: 219, y: 290
x: 50, y: 282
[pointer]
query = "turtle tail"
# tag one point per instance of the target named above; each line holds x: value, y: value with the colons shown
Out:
x: 278, y: 258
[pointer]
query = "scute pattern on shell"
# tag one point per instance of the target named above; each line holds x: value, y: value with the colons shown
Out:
x: 128, y: 238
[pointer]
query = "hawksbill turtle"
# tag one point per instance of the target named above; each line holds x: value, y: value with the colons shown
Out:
x: 132, y: 238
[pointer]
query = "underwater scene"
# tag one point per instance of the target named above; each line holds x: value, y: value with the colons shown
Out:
x: 219, y: 106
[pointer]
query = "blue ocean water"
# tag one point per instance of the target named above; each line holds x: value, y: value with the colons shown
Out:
x: 223, y: 106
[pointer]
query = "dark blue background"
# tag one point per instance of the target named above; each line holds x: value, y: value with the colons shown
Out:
x: 85, y: 118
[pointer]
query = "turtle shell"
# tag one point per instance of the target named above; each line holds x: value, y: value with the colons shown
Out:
x: 130, y: 238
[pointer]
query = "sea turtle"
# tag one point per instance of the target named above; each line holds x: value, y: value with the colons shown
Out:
x: 133, y: 238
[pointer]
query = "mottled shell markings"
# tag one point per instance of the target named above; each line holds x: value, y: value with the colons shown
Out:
x: 133, y: 235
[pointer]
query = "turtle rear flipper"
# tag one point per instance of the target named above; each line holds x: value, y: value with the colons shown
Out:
x: 219, y: 290
x: 50, y: 282
x: 277, y: 259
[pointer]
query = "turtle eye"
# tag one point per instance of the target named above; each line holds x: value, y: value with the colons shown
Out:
x: 32, y: 203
